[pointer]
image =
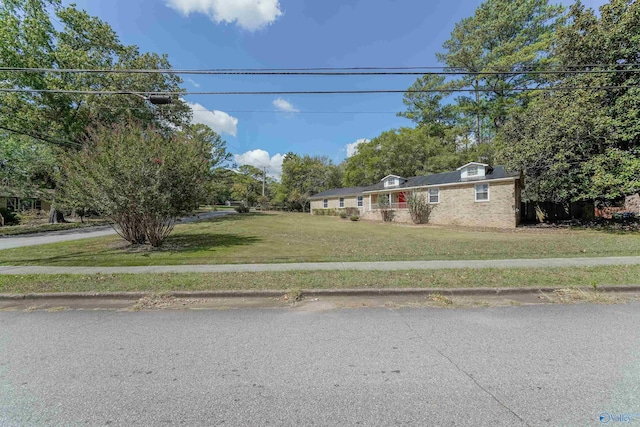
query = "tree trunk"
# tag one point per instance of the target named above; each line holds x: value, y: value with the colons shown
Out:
x: 55, y: 216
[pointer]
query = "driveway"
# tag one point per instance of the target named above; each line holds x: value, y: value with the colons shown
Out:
x: 84, y: 233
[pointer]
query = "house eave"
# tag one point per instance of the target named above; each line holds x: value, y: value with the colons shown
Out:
x: 450, y: 184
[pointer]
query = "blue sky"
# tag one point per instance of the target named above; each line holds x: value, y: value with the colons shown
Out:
x: 259, y: 130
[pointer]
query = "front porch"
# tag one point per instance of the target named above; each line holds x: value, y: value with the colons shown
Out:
x: 394, y: 200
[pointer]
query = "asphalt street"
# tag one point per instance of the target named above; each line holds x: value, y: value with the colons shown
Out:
x: 505, y: 366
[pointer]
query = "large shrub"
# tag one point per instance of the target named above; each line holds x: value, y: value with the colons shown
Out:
x: 139, y: 178
x: 387, y: 213
x: 419, y: 208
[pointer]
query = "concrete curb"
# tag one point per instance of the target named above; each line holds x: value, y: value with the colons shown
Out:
x: 316, y: 293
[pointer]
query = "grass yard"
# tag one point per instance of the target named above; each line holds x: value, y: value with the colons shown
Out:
x: 468, y: 278
x: 284, y: 237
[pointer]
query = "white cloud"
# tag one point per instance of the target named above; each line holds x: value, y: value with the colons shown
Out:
x: 353, y: 147
x: 193, y: 82
x: 219, y: 121
x: 260, y: 159
x: 251, y: 15
x: 284, y: 105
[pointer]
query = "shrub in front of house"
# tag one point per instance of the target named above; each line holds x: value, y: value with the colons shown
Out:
x: 343, y: 214
x: 419, y: 208
x: 242, y: 208
x: 352, y: 211
x: 354, y: 217
x: 384, y: 207
x: 327, y: 212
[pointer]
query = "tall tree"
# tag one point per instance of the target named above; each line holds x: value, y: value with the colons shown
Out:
x: 304, y: 176
x: 28, y: 39
x: 247, y: 184
x: 584, y: 142
x: 506, y: 39
x: 406, y: 152
x: 424, y: 102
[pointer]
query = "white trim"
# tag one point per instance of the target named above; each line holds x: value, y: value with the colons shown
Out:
x: 325, y: 203
x: 360, y: 201
x: 452, y: 184
x: 475, y: 192
x: 341, y: 202
x: 472, y: 163
x: 429, y: 196
x: 394, y: 176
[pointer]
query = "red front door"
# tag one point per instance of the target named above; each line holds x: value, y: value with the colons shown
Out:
x: 402, y: 202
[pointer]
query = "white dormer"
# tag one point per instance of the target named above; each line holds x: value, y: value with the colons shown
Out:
x: 473, y: 170
x: 392, y: 181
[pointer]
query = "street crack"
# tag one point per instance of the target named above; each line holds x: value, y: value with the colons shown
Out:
x: 459, y: 368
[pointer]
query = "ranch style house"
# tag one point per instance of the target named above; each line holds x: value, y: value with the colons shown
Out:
x: 475, y: 194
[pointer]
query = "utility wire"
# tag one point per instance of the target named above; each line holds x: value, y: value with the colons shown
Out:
x: 38, y: 137
x: 168, y: 107
x: 315, y: 92
x: 354, y: 71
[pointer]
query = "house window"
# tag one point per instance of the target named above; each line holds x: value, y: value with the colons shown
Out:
x: 434, y: 195
x: 12, y: 204
x: 325, y: 203
x: 27, y: 204
x: 482, y: 193
x: 341, y: 202
x: 472, y: 170
x: 360, y: 201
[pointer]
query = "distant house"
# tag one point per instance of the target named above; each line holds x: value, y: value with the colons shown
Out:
x: 15, y: 201
x: 475, y: 194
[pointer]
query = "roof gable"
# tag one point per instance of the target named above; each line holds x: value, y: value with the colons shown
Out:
x: 472, y: 164
x: 393, y: 176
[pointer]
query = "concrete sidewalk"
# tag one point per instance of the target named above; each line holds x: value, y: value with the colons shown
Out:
x: 329, y: 266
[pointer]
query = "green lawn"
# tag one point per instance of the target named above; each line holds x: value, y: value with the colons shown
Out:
x: 468, y: 278
x: 275, y: 238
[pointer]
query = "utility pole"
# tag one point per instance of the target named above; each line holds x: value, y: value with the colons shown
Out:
x: 478, y: 136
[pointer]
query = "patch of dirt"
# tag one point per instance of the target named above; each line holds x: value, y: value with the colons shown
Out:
x: 165, y: 302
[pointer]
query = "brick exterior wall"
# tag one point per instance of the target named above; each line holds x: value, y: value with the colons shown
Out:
x: 334, y: 203
x: 457, y: 206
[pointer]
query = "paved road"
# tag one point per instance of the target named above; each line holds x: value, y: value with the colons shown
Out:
x: 530, y: 365
x: 84, y: 233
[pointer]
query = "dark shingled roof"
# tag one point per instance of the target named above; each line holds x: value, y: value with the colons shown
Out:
x: 497, y: 172
x: 348, y: 191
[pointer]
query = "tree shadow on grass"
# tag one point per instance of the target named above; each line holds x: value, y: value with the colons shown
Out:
x: 118, y: 255
x: 204, y: 242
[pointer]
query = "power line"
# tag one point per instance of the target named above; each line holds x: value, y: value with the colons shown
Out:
x: 354, y: 71
x: 113, y: 107
x: 38, y: 137
x: 315, y: 92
